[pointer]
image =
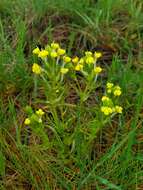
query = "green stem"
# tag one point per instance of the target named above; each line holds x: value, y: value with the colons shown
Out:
x: 35, y: 86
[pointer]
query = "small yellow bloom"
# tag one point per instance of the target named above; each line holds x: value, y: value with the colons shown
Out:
x: 55, y: 45
x: 109, y: 85
x: 36, y: 69
x: 117, y: 92
x: 75, y: 60
x: 97, y: 55
x: 109, y: 91
x: 88, y: 53
x: 54, y: 54
x: 27, y: 121
x: 105, y: 98
x: 97, y: 70
x: 66, y: 59
x: 118, y: 109
x: 78, y: 67
x: 40, y: 112
x: 64, y: 70
x: 106, y: 110
x: 61, y: 52
x: 81, y: 61
x: 39, y: 120
x: 36, y: 51
x: 89, y: 60
x: 43, y: 53
x: 117, y: 87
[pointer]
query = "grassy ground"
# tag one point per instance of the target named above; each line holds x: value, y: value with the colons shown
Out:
x: 114, y: 160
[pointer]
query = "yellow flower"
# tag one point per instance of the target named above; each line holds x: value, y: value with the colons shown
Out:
x: 36, y: 69
x: 66, y: 59
x: 117, y: 92
x: 36, y: 51
x: 81, y: 61
x: 55, y: 45
x: 88, y: 53
x: 117, y: 87
x: 43, y: 53
x: 97, y: 55
x: 27, y: 121
x: 78, y: 67
x: 54, y: 54
x: 75, y: 60
x: 40, y: 112
x: 64, y: 70
x: 109, y: 85
x: 89, y: 60
x: 39, y: 120
x: 109, y: 91
x: 118, y: 109
x: 97, y: 70
x: 105, y: 98
x: 106, y: 110
x: 61, y: 52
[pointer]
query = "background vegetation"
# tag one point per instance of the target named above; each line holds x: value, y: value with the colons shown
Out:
x: 114, y: 27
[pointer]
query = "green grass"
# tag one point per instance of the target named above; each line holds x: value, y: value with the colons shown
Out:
x: 114, y: 158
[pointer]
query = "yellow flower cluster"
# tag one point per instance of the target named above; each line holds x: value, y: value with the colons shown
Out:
x: 53, y: 54
x: 97, y: 70
x: 75, y: 60
x: 109, y: 107
x: 27, y: 121
x: 118, y: 109
x: 55, y: 45
x: 89, y: 59
x: 43, y: 54
x: 36, y: 69
x: 116, y: 90
x: 97, y: 55
x: 54, y: 51
x: 64, y: 70
x: 105, y: 98
x: 37, y: 116
x: 61, y: 52
x: 109, y: 110
x: 106, y: 110
x: 78, y: 67
x: 36, y: 51
x: 67, y: 59
x: 40, y: 112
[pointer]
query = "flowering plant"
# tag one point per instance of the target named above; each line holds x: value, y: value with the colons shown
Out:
x: 61, y: 74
